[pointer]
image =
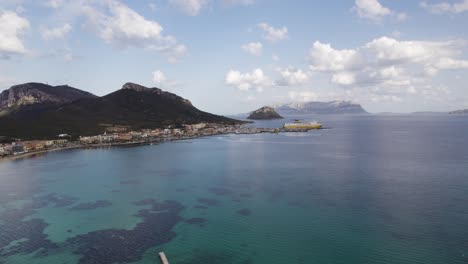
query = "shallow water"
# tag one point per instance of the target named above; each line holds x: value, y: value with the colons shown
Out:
x: 373, y: 189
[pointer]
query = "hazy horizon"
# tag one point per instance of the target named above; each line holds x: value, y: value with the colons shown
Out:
x: 233, y: 56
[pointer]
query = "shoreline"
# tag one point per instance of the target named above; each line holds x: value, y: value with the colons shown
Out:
x: 122, y: 144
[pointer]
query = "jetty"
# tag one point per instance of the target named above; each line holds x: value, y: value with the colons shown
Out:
x: 163, y: 258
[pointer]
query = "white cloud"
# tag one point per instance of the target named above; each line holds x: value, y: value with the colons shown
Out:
x: 325, y: 58
x: 12, y: 29
x: 56, y: 33
x: 302, y: 96
x: 190, y: 7
x: 371, y: 9
x: 343, y: 78
x: 161, y: 81
x: 275, y: 57
x: 374, y: 10
x: 273, y: 34
x: 121, y: 26
x: 386, y: 66
x: 254, y: 48
x: 246, y: 81
x: 292, y: 76
x: 445, y: 7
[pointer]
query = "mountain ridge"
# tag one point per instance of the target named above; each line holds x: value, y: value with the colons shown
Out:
x: 32, y: 93
x: 133, y: 106
x: 315, y: 107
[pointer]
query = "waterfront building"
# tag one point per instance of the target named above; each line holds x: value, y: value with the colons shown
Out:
x: 17, y: 148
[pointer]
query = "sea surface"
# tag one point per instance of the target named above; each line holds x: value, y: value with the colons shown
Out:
x: 371, y: 189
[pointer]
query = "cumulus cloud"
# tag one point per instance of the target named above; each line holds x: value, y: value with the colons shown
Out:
x: 161, y: 81
x: 302, y: 96
x: 56, y: 33
x: 273, y: 34
x: 445, y: 7
x: 12, y: 30
x: 386, y: 63
x: 254, y: 48
x: 292, y: 76
x: 247, y: 81
x: 122, y: 27
x: 189, y: 7
x: 374, y: 10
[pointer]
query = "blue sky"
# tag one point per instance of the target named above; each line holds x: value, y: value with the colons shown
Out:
x: 232, y: 56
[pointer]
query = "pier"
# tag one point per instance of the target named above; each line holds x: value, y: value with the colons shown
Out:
x: 163, y: 258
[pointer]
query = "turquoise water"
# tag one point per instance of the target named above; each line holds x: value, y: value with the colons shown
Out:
x: 373, y: 189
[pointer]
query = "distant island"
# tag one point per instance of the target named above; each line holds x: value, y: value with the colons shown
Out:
x: 459, y: 112
x: 264, y: 113
x: 321, y: 108
x: 38, y: 111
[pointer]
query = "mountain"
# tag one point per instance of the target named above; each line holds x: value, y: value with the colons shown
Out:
x: 264, y: 113
x: 333, y: 107
x: 27, y: 94
x: 459, y: 112
x: 134, y: 106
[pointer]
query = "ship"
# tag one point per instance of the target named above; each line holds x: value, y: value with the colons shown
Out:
x: 299, y: 125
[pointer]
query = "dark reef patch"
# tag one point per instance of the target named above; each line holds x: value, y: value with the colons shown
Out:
x: 123, y: 246
x: 200, y: 207
x: 245, y: 195
x: 196, y: 221
x: 244, y: 212
x: 220, y: 190
x: 23, y: 237
x: 208, y: 201
x: 91, y: 205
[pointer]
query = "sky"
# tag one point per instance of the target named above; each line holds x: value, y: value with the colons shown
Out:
x: 233, y: 56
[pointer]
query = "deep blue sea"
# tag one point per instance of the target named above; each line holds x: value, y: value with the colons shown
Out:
x: 371, y: 189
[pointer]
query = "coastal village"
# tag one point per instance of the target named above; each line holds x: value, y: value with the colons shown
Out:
x: 115, y: 136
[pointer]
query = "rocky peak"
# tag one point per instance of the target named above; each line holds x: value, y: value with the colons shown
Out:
x: 264, y: 113
x: 141, y: 88
x: 38, y: 93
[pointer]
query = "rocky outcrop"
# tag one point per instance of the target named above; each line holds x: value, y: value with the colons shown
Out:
x: 264, y: 113
x: 333, y: 107
x: 38, y: 93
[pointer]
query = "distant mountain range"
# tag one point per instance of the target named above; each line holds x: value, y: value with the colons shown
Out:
x: 333, y: 107
x: 459, y: 112
x: 36, y: 110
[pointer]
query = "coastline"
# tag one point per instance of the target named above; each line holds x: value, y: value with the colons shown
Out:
x: 122, y: 144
